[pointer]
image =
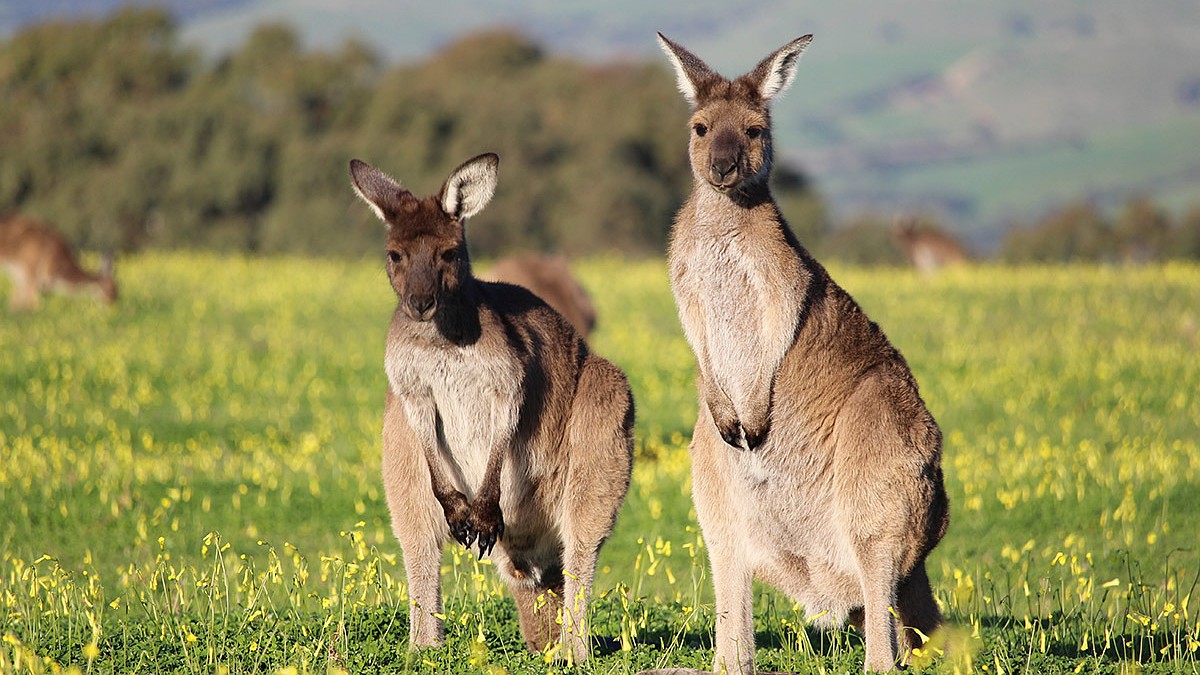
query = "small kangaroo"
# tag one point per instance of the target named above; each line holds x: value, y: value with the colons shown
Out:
x: 40, y: 260
x: 928, y: 249
x: 549, y: 277
x: 815, y: 464
x: 500, y: 427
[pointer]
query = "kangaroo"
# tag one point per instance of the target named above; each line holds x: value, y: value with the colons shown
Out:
x: 549, y: 277
x: 928, y: 249
x: 500, y: 428
x: 815, y: 464
x: 40, y: 260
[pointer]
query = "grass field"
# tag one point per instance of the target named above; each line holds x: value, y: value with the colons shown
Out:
x: 189, y: 481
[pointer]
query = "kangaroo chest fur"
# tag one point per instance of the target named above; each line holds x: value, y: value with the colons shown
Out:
x: 469, y: 394
x: 739, y: 291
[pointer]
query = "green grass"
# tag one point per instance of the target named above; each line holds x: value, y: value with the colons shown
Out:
x: 190, y: 479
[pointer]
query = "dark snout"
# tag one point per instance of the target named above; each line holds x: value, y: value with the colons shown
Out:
x: 417, y: 286
x: 420, y: 306
x: 722, y: 169
x: 724, y: 157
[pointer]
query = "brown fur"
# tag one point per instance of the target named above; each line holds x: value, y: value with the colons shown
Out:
x: 928, y: 249
x: 816, y: 466
x: 500, y: 427
x: 40, y: 260
x: 550, y: 278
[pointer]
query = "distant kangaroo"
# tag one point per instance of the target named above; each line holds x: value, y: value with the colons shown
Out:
x: 500, y: 427
x: 549, y: 277
x: 40, y: 260
x: 927, y: 249
x: 816, y: 466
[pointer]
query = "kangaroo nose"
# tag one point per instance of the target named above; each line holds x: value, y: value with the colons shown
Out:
x: 421, y: 306
x: 722, y: 168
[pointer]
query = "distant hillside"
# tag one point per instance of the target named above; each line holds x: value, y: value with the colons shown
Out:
x: 982, y: 112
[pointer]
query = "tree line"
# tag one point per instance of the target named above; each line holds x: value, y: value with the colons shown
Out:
x: 127, y: 140
x: 1138, y: 231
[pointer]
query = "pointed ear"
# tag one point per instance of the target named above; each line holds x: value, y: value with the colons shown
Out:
x: 471, y: 186
x: 776, y: 72
x: 381, y: 192
x: 689, y: 69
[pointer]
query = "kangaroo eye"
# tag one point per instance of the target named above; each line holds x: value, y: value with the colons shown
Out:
x: 754, y: 132
x: 393, y: 257
x: 700, y: 129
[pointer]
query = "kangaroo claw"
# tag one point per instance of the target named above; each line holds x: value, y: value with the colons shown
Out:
x: 488, y: 522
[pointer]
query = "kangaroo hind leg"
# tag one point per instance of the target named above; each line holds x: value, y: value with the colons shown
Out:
x: 599, y: 448
x: 417, y: 522
x: 537, y: 612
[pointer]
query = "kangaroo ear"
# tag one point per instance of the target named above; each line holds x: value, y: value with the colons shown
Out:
x: 381, y: 192
x: 471, y: 186
x: 775, y: 73
x: 689, y: 69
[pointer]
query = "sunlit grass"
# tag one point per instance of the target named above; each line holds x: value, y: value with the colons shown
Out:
x: 190, y: 480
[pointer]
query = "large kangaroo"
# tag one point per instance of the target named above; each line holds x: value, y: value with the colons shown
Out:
x: 40, y: 260
x: 500, y: 427
x: 816, y: 466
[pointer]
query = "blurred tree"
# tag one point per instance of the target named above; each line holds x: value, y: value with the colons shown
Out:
x: 1075, y: 232
x: 863, y: 240
x: 1184, y: 239
x: 125, y: 140
x: 1141, y: 231
x: 79, y: 98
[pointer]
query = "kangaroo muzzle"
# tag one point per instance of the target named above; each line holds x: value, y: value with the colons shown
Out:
x: 420, y: 307
x: 724, y: 156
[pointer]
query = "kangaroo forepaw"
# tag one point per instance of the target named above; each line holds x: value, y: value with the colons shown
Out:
x: 731, y: 432
x: 737, y: 436
x: 754, y: 437
x: 462, y: 533
x: 458, y: 517
x: 488, y: 523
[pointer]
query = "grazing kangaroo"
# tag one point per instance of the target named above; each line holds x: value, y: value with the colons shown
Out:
x: 39, y: 260
x: 928, y: 249
x: 815, y: 464
x: 500, y: 428
x: 549, y: 277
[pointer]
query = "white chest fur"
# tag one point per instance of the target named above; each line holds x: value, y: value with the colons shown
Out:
x: 463, y: 400
x: 746, y: 301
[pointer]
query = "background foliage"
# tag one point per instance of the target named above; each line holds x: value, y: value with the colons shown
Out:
x: 126, y: 140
